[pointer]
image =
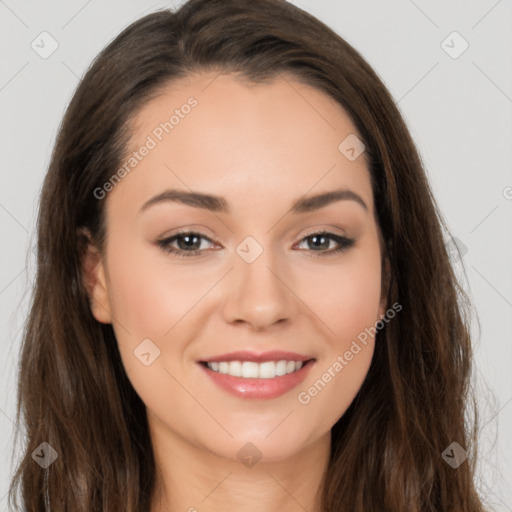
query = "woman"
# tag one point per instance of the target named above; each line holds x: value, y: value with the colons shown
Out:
x: 243, y: 298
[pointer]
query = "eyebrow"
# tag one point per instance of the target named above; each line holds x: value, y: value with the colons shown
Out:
x: 219, y: 204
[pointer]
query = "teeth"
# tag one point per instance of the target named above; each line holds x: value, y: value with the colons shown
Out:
x: 252, y: 370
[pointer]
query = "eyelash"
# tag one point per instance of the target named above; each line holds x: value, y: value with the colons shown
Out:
x: 344, y: 243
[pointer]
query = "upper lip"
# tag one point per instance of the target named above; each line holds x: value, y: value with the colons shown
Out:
x: 246, y: 355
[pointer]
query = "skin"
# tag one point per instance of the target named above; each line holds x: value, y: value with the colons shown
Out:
x: 261, y: 147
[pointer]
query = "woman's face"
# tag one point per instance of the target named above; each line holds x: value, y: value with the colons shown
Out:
x: 259, y: 281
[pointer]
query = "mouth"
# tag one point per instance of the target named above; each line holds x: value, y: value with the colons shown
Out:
x: 256, y: 370
x: 259, y: 380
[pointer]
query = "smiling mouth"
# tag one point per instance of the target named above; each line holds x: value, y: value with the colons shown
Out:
x: 254, y: 370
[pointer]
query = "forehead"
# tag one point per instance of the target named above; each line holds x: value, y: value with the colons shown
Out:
x: 221, y: 134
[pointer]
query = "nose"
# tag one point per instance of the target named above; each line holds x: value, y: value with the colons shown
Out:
x: 259, y: 294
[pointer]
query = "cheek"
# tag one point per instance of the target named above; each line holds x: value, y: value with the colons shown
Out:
x: 156, y: 300
x: 345, y: 296
x: 149, y: 294
x: 151, y: 299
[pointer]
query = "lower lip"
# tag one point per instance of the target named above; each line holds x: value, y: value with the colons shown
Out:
x: 258, y: 388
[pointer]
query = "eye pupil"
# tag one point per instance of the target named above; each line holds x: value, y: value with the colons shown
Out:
x: 320, y: 245
x: 188, y: 243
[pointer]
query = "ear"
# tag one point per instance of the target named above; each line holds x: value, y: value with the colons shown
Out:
x: 94, y: 278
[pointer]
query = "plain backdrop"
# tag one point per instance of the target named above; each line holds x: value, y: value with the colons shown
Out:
x: 454, y: 90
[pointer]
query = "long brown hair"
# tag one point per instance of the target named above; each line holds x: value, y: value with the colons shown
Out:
x: 73, y: 392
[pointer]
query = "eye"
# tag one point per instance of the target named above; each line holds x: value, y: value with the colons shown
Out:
x: 321, y: 240
x: 189, y: 243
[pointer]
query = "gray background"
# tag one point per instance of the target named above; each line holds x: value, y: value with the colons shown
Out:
x: 458, y: 110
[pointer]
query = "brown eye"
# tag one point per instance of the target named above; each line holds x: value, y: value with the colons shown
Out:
x: 320, y: 242
x: 188, y: 243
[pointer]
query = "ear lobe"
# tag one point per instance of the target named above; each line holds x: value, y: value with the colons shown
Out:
x: 94, y: 280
